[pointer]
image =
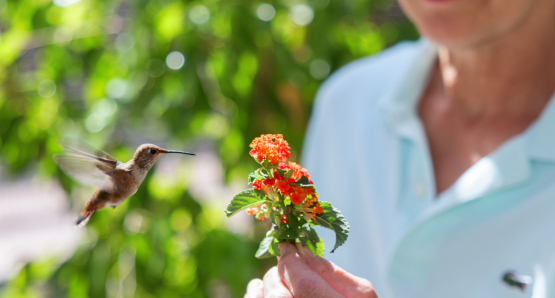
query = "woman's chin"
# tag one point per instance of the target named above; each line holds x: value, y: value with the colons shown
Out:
x: 469, y: 23
x: 451, y: 34
x: 448, y: 22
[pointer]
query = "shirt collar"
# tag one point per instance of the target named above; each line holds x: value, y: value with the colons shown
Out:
x: 398, y: 104
x: 508, y: 165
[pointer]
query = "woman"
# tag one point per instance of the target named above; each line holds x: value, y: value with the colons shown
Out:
x: 441, y: 154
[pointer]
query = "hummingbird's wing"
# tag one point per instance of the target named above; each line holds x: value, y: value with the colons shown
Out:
x: 80, y: 146
x: 85, y: 167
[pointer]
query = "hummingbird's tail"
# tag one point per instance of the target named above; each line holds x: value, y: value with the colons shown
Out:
x: 94, y: 203
x: 83, y: 218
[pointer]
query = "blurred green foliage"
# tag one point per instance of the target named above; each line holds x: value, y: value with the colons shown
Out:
x: 103, y: 70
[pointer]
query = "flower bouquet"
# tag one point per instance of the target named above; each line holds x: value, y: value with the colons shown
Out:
x: 283, y: 192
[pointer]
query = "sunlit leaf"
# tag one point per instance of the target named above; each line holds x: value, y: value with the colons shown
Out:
x: 335, y: 221
x: 245, y: 199
x: 262, y: 251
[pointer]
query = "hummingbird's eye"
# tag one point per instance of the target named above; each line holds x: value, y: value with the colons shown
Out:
x: 153, y: 151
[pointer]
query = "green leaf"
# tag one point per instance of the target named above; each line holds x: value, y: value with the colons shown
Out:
x: 261, y: 173
x: 293, y: 221
x: 317, y: 247
x: 333, y: 220
x: 288, y: 174
x: 262, y: 252
x: 244, y: 200
x: 281, y: 172
x: 252, y: 178
x: 272, y: 220
x: 309, y: 233
x: 291, y: 230
x: 286, y: 233
x: 260, y: 193
x: 310, y: 239
x: 287, y: 201
x: 266, y: 164
x: 304, y: 181
x: 257, y: 175
x: 274, y: 249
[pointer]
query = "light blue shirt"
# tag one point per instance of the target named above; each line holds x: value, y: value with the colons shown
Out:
x: 368, y: 154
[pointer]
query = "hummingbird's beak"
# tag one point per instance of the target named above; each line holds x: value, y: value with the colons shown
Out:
x: 180, y: 152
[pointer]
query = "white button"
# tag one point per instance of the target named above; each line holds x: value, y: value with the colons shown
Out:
x: 419, y: 189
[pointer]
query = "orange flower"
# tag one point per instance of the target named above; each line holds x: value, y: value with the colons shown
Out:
x: 270, y: 147
x: 252, y: 210
x: 312, y: 211
x: 260, y: 212
x: 318, y: 209
x: 300, y: 193
x: 283, y: 218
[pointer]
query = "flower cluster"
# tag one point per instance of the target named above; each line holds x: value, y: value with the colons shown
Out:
x: 272, y: 148
x: 284, y: 179
x: 282, y: 191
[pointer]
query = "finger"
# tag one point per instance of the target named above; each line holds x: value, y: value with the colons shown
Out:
x: 344, y: 283
x: 255, y: 289
x: 301, y: 280
x: 273, y: 286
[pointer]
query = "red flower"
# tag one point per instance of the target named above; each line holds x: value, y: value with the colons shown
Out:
x: 257, y: 185
x: 283, y: 186
x: 269, y: 182
x: 296, y: 198
x: 260, y: 184
x: 270, y: 147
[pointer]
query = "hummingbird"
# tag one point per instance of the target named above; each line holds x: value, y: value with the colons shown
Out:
x: 114, y: 181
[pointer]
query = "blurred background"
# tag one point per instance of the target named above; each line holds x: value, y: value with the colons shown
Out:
x: 201, y: 76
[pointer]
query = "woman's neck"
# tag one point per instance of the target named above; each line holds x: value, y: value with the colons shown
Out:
x: 513, y: 74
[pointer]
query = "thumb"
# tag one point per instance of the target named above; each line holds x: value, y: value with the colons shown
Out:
x: 343, y: 282
x: 299, y: 278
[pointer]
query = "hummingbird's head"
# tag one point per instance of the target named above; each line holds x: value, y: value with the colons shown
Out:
x: 147, y: 155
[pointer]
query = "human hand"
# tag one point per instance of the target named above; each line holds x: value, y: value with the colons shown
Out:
x: 301, y: 274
